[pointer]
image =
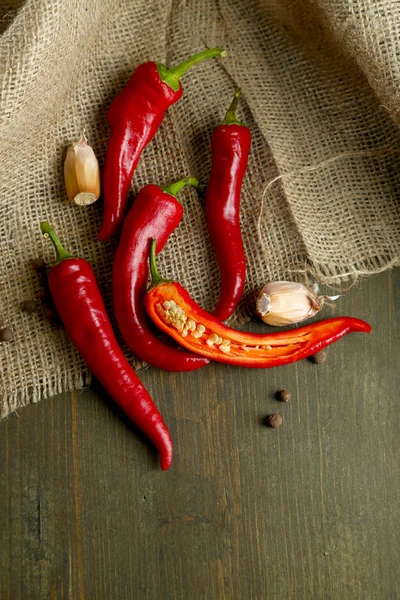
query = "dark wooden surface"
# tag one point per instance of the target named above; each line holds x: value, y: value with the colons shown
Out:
x: 310, y: 511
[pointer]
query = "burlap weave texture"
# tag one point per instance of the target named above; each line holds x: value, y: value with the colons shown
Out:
x: 320, y: 84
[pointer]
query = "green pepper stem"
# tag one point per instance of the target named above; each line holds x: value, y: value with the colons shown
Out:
x: 230, y: 117
x: 171, y: 76
x: 174, y: 188
x: 48, y: 231
x: 155, y: 276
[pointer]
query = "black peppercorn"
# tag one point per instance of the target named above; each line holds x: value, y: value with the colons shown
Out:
x: 29, y: 306
x: 274, y: 420
x: 38, y: 264
x: 43, y: 294
x: 6, y: 334
x: 284, y: 395
x: 319, y: 357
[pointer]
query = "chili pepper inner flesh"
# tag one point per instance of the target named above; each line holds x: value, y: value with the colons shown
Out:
x: 174, y: 312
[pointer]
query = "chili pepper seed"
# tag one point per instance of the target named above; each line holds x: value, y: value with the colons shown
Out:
x: 274, y: 420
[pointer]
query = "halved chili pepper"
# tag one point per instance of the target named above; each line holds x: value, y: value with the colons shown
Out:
x: 172, y: 309
x: 230, y: 147
x: 155, y: 212
x: 134, y: 117
x: 81, y: 308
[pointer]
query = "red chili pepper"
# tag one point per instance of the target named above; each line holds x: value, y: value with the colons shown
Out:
x: 172, y: 309
x: 134, y: 117
x: 155, y: 212
x: 81, y: 308
x: 230, y: 147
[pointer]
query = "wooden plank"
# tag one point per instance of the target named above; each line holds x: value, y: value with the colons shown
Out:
x: 246, y: 512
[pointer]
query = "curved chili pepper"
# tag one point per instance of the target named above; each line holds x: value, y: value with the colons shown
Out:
x: 79, y: 303
x: 134, y: 117
x: 230, y: 147
x: 155, y: 212
x: 172, y: 309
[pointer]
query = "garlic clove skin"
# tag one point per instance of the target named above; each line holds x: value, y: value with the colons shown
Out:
x: 285, y: 302
x: 71, y: 182
x: 82, y: 173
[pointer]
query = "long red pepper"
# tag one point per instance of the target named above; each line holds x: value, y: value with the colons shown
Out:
x: 155, y: 212
x: 230, y: 147
x: 80, y: 305
x: 134, y: 117
x: 172, y: 309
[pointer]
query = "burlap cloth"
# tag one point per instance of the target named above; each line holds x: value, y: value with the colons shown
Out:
x: 320, y: 83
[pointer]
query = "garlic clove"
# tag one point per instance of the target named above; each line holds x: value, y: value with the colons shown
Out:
x: 284, y: 302
x: 82, y: 173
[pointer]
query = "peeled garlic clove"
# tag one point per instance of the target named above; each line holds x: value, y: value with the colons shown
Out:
x: 81, y: 173
x: 285, y: 302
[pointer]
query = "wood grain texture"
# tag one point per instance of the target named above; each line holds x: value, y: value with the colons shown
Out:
x: 309, y: 511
